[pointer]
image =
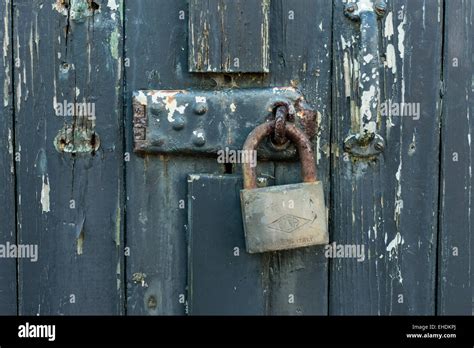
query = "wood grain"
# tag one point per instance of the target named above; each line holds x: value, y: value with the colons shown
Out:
x: 455, y: 291
x: 70, y: 205
x: 8, y: 274
x: 388, y: 204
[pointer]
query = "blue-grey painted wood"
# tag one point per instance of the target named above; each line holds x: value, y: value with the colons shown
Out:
x: 300, y: 42
x: 223, y: 278
x: 156, y: 186
x: 229, y: 36
x: 8, y: 275
x: 388, y: 204
x: 455, y: 264
x: 69, y: 205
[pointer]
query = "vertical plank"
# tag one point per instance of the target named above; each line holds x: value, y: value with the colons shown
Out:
x: 8, y: 275
x: 299, y: 278
x: 223, y: 278
x: 455, y: 290
x: 389, y: 204
x: 228, y: 35
x: 156, y: 186
x: 69, y: 204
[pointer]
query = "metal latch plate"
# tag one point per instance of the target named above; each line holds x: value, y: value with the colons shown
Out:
x: 204, y: 122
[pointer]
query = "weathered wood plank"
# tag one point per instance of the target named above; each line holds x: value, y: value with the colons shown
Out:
x: 388, y: 204
x: 301, y: 37
x: 69, y: 204
x: 157, y: 185
x: 223, y: 278
x: 8, y: 275
x: 228, y: 35
x: 455, y: 290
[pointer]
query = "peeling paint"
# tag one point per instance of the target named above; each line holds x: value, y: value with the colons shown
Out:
x: 391, y: 60
x: 401, y: 37
x: 366, y: 100
x: 60, y: 6
x: 193, y: 177
x: 6, y: 65
x: 141, y: 97
x: 80, y: 243
x: 45, y: 194
x: 170, y: 102
x: 395, y: 243
x: 398, y: 199
x: 112, y: 4
x: 140, y: 277
x: 368, y: 58
x: 388, y: 30
x: 114, y: 44
x: 264, y: 32
x: 200, y: 99
x: 199, y: 134
x: 10, y: 142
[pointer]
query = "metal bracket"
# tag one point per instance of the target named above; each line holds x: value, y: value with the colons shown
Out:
x: 204, y: 122
x: 367, y: 142
x: 73, y: 139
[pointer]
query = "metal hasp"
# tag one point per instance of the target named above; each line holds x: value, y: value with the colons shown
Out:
x: 367, y: 142
x: 285, y: 216
x: 204, y: 122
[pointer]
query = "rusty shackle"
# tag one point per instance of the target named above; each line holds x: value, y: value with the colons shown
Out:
x: 296, y: 136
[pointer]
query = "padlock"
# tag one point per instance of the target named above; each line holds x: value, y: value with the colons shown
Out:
x: 287, y: 216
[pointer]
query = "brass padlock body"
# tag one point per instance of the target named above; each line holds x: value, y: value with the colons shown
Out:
x: 284, y: 217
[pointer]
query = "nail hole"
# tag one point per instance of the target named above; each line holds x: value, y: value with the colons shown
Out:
x: 151, y: 303
x: 228, y: 168
x: 94, y: 6
x: 227, y: 78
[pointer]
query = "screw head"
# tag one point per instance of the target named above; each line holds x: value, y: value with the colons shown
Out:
x: 155, y: 109
x: 199, y: 138
x: 178, y: 123
x: 379, y: 147
x: 262, y: 182
x: 350, y: 10
x: 200, y: 108
x: 381, y: 8
x: 348, y: 146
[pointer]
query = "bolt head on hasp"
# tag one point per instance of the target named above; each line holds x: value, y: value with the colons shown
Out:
x: 353, y: 10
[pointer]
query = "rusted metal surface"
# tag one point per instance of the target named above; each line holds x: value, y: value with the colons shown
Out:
x: 251, y: 144
x: 139, y: 123
x: 76, y: 10
x: 298, y: 137
x: 281, y: 114
x: 305, y: 151
x: 202, y: 122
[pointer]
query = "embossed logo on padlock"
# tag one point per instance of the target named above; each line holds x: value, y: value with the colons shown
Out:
x: 286, y: 216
